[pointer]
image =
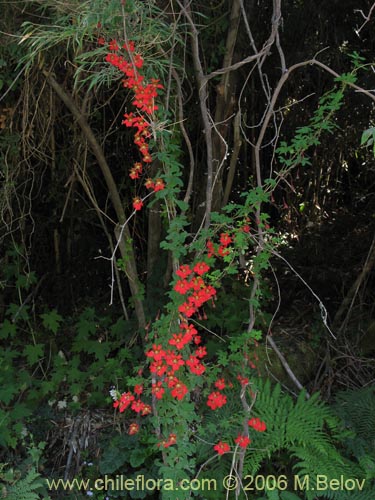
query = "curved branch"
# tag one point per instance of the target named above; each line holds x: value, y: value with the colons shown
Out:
x: 125, y: 248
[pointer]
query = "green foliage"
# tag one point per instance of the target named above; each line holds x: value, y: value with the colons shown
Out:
x: 130, y: 456
x: 314, y: 452
x: 368, y: 138
x: 356, y: 407
x: 304, y: 438
x: 55, y: 362
x: 25, y: 482
x: 25, y: 488
x: 294, y: 154
x: 76, y: 31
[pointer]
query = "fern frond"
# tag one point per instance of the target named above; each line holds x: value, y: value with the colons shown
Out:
x: 26, y: 488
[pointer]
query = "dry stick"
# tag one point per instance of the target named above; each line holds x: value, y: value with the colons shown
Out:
x: 128, y: 254
x: 367, y: 18
x: 285, y: 364
x: 234, y: 157
x: 352, y: 293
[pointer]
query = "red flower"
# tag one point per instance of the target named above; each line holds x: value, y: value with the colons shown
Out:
x: 179, y: 340
x: 223, y: 251
x: 101, y: 41
x: 159, y: 367
x: 201, y: 268
x: 243, y: 380
x: 182, y: 286
x: 197, y: 368
x: 197, y: 283
x: 138, y: 389
x: 225, y: 239
x: 179, y: 391
x: 133, y: 429
x: 220, y: 384
x: 157, y: 390
x: 174, y: 360
x: 137, y: 406
x: 197, y: 299
x: 210, y: 248
x: 134, y: 174
x: 195, y: 365
x: 113, y: 45
x: 137, y: 203
x: 183, y: 271
x: 201, y: 352
x: 216, y: 400
x: 187, y: 309
x: 171, y: 441
x: 125, y: 400
x: 242, y: 441
x: 257, y: 424
x: 129, y: 47
x: 159, y: 185
x: 146, y: 410
x: 171, y: 380
x: 138, y: 61
x: 190, y: 329
x: 147, y: 158
x: 157, y: 352
x: 149, y: 183
x: 221, y: 448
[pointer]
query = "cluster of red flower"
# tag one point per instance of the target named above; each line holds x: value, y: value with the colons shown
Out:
x: 127, y: 399
x: 144, y: 100
x: 172, y: 439
x: 201, y: 292
x: 257, y: 424
x: 222, y: 250
x: 242, y: 440
x: 166, y: 362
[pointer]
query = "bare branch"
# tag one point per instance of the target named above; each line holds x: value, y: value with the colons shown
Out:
x: 367, y: 18
x: 203, y: 99
x: 285, y: 364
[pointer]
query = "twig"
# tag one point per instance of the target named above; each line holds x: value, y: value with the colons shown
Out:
x: 367, y: 18
x: 352, y: 293
x: 285, y: 364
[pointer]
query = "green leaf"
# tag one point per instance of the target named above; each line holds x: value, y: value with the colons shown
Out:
x: 51, y: 320
x: 33, y: 353
x: 7, y: 330
x: 7, y: 393
x: 137, y: 457
x: 112, y: 460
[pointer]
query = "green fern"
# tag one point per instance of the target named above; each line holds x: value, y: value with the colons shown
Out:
x: 304, y: 438
x: 356, y: 407
x: 30, y: 487
x: 310, y: 433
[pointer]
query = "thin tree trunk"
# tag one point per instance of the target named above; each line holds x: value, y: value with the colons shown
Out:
x: 225, y: 104
x: 126, y: 249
